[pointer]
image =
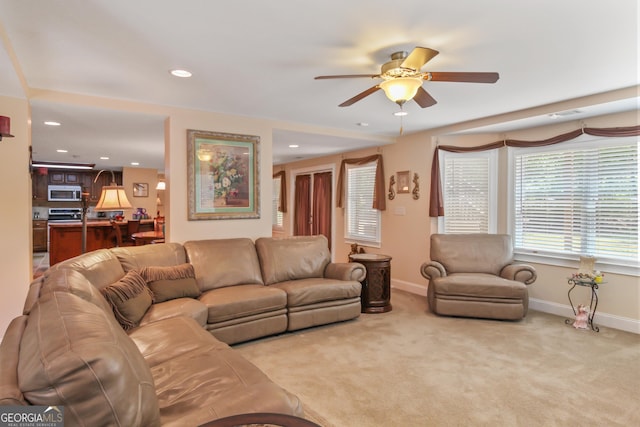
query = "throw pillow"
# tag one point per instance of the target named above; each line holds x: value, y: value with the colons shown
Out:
x: 168, y: 283
x: 130, y: 298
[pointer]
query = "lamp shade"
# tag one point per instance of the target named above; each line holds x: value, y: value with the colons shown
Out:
x: 161, y: 185
x: 113, y: 198
x: 401, y: 89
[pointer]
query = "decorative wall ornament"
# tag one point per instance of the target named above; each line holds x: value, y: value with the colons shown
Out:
x: 392, y: 192
x: 403, y: 182
x: 416, y: 187
x: 223, y: 175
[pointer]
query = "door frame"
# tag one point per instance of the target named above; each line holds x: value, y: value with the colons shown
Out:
x: 330, y: 167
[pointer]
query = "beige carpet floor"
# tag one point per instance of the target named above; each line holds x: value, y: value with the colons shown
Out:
x: 409, y: 367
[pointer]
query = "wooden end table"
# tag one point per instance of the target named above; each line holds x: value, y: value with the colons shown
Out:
x: 376, y: 286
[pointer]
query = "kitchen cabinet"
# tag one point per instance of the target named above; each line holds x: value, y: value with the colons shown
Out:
x: 61, y: 177
x: 40, y: 182
x: 39, y: 186
x: 39, y: 227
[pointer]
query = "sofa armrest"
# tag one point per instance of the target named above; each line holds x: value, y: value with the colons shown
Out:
x: 345, y: 271
x: 432, y: 269
x: 524, y: 273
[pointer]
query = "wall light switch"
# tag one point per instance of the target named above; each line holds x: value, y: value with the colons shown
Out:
x: 400, y: 210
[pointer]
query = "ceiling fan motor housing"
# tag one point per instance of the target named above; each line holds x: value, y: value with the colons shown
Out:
x: 394, y: 67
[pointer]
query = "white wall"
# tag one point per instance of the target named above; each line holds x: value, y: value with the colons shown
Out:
x: 145, y: 176
x: 15, y: 214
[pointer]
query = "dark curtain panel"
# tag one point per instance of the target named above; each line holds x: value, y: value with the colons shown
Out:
x: 322, y: 205
x: 436, y: 207
x: 302, y: 215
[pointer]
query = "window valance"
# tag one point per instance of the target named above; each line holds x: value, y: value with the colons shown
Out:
x: 436, y: 207
x: 379, y: 201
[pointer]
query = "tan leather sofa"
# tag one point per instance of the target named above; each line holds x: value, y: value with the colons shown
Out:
x: 175, y: 366
x: 474, y: 275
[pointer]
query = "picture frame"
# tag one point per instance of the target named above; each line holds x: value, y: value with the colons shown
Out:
x: 403, y: 182
x: 223, y: 175
x: 140, y: 189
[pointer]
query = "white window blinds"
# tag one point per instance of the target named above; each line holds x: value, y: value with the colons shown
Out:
x: 276, y: 215
x: 362, y: 221
x: 468, y: 193
x: 579, y: 200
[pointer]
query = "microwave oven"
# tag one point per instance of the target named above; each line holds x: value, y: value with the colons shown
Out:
x: 65, y: 193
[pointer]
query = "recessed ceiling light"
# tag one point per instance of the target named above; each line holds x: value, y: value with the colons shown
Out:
x: 50, y: 123
x: 104, y: 158
x: 294, y: 146
x: 363, y: 124
x: 180, y: 73
x: 62, y: 151
x: 135, y: 164
x: 400, y: 113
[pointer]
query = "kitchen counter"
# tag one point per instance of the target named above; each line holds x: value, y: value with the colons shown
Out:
x: 65, y: 238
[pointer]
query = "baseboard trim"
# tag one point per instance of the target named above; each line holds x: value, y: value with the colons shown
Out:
x: 564, y: 310
x: 413, y: 288
x: 601, y: 319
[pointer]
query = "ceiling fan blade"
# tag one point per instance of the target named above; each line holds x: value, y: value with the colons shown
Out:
x: 359, y: 96
x: 424, y: 99
x: 418, y: 57
x: 347, y: 76
x: 437, y: 76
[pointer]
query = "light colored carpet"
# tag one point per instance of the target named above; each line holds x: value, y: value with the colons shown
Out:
x: 410, y: 367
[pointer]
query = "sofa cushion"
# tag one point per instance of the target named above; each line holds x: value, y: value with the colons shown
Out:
x: 137, y: 257
x: 292, y: 258
x: 479, y: 285
x: 73, y: 282
x: 187, y: 307
x: 240, y: 301
x: 10, y: 393
x: 472, y: 253
x: 224, y: 262
x: 171, y: 282
x: 311, y: 291
x: 75, y: 354
x: 199, y: 379
x: 130, y: 298
x: 100, y: 267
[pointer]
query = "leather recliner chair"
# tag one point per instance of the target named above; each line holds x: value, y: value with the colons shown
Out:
x: 474, y: 275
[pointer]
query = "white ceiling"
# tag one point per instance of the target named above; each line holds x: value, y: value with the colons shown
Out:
x: 258, y: 59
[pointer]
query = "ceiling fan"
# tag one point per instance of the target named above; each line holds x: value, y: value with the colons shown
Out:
x: 403, y: 78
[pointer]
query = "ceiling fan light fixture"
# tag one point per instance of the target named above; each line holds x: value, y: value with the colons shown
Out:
x: 401, y: 89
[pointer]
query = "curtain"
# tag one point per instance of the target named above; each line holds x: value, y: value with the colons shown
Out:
x: 322, y: 205
x: 302, y: 215
x: 379, y: 201
x: 436, y: 207
x: 282, y: 202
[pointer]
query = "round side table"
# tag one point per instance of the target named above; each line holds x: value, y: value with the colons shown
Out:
x: 376, y: 286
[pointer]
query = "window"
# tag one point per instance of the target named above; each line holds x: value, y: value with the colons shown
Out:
x: 469, y: 192
x: 577, y: 199
x: 362, y: 222
x: 276, y: 215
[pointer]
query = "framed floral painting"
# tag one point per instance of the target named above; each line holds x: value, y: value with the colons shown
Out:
x: 223, y: 181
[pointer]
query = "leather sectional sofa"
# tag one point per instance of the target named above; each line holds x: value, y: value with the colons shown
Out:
x: 139, y: 336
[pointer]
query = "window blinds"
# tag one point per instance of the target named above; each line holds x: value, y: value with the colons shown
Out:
x: 362, y: 221
x: 578, y: 201
x: 466, y: 194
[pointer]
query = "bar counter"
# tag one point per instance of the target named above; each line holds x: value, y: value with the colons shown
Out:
x: 65, y: 238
